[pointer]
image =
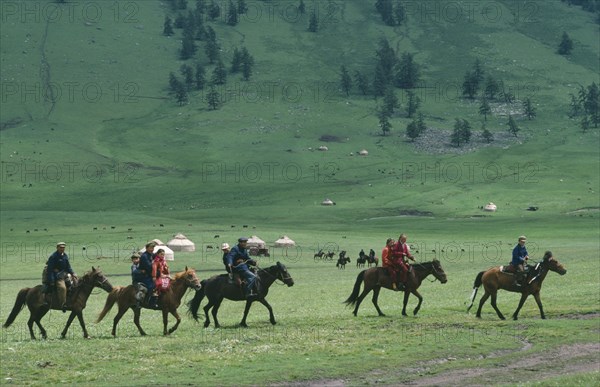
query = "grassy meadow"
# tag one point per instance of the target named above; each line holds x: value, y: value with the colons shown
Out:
x: 95, y: 152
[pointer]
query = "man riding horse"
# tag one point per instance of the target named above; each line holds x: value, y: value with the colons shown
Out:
x: 58, y: 268
x: 400, y: 252
x: 238, y: 261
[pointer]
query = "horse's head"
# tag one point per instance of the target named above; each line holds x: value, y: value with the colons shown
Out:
x: 99, y: 280
x: 553, y: 264
x: 191, y: 279
x: 283, y: 275
x: 438, y: 272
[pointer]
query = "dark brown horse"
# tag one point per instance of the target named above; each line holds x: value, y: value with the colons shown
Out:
x: 168, y: 302
x: 377, y: 277
x: 218, y: 287
x: 493, y: 279
x: 76, y: 300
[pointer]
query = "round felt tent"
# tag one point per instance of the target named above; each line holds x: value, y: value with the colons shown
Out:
x: 181, y: 243
x: 284, y: 241
x: 169, y: 254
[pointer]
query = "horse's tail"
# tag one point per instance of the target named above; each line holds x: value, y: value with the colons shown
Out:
x: 19, y: 304
x: 113, y: 296
x: 476, y: 286
x: 194, y: 304
x: 354, y: 296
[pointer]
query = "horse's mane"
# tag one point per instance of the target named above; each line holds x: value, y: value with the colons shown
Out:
x: 182, y: 273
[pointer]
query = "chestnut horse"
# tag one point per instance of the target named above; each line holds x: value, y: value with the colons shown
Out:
x: 218, y: 287
x: 493, y: 279
x: 76, y: 300
x: 168, y: 302
x: 377, y: 277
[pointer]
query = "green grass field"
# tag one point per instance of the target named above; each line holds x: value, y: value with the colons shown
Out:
x: 93, y: 152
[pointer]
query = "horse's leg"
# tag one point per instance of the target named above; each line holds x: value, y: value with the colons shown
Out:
x: 481, y: 302
x: 538, y: 300
x: 246, y: 310
x: 418, y: 307
x: 405, y: 302
x: 493, y: 302
x: 82, y: 323
x: 268, y: 306
x: 118, y: 316
x: 137, y: 312
x: 374, y: 299
x: 215, y: 310
x: 524, y: 296
x: 30, y: 326
x: 206, y: 318
x: 69, y: 321
x: 177, y: 322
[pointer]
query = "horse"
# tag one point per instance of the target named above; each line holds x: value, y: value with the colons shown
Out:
x: 377, y: 277
x: 494, y: 279
x: 218, y: 287
x: 168, y: 302
x: 361, y: 260
x: 330, y: 255
x: 341, y: 262
x: 76, y: 301
x: 319, y: 255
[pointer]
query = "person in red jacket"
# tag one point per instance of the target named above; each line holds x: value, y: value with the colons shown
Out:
x: 388, y: 262
x: 400, y: 253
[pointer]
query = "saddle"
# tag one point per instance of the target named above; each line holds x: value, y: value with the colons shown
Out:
x: 511, y: 269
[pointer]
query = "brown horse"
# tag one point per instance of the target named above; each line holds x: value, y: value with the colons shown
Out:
x: 168, y: 302
x: 218, y: 287
x: 76, y: 300
x: 377, y: 277
x: 494, y: 279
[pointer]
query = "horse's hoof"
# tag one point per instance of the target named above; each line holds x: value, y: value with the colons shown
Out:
x: 273, y: 322
x: 244, y: 325
x: 478, y: 316
x: 543, y: 317
x: 503, y: 318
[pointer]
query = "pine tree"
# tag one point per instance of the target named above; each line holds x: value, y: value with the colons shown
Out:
x: 413, y: 103
x: 491, y: 88
x: 168, y: 27
x: 362, y: 82
x: 188, y: 76
x: 301, y: 7
x: 484, y: 108
x: 232, y: 14
x: 390, y: 101
x: 466, y: 132
x: 478, y: 72
x: 407, y: 75
x: 181, y: 95
x: 566, y: 45
x: 575, y: 107
x: 399, y: 13
x: 242, y: 7
x: 591, y: 104
x: 512, y: 126
x: 200, y: 77
x: 212, y: 47
x: 212, y: 99
x: 188, y: 47
x: 214, y: 11
x: 380, y: 81
x: 173, y: 83
x: 584, y: 124
x: 421, y: 123
x: 470, y: 84
x: 236, y: 61
x: 345, y: 80
x: 219, y: 75
x: 529, y: 109
x: 384, y: 121
x: 412, y: 130
x: 313, y: 22
x: 456, y: 137
x: 247, y: 64
x: 486, y: 134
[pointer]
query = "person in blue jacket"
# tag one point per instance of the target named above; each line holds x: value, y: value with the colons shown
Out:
x: 519, y: 259
x: 58, y: 268
x: 145, y: 268
x: 137, y: 279
x: 238, y: 260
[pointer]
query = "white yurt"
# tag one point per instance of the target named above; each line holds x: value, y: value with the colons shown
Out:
x: 363, y: 152
x: 181, y: 243
x: 255, y: 241
x: 169, y: 254
x: 491, y: 207
x: 284, y: 241
x: 327, y: 202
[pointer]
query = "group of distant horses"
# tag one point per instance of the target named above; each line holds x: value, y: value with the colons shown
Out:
x: 343, y: 259
x: 219, y: 287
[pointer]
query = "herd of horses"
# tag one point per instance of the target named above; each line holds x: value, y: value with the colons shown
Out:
x: 343, y: 259
x: 219, y: 287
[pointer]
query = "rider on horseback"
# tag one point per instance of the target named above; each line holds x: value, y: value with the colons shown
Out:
x: 401, y: 251
x: 519, y: 259
x: 58, y: 268
x: 238, y: 261
x: 137, y: 279
x: 145, y: 268
x: 387, y: 262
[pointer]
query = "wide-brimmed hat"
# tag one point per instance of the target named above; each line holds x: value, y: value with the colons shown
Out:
x: 61, y: 244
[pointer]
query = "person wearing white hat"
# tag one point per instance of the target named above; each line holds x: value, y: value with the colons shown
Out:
x: 225, y: 248
x: 58, y: 269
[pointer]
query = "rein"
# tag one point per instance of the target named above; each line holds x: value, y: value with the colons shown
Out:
x: 272, y: 276
x: 432, y: 267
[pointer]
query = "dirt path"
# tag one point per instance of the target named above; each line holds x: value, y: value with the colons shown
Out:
x: 564, y: 360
